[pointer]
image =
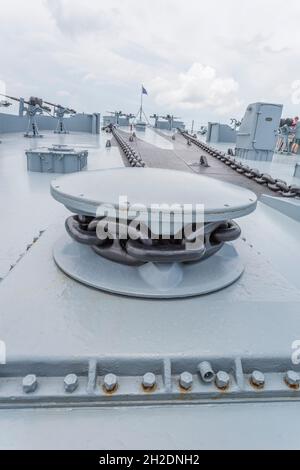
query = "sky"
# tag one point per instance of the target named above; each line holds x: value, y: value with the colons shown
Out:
x: 197, y: 59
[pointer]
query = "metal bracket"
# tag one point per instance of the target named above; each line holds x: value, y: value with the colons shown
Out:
x: 232, y: 380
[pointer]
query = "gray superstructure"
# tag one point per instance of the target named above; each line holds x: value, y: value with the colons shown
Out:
x: 217, y: 132
x: 257, y: 135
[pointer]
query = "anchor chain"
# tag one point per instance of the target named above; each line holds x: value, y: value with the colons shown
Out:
x: 134, y: 247
x: 274, y: 184
x: 133, y: 158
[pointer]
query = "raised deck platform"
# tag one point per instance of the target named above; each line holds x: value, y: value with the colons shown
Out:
x: 184, y: 158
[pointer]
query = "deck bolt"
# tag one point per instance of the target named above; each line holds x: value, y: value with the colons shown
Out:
x: 292, y: 379
x: 222, y: 380
x: 71, y: 383
x: 186, y: 381
x: 149, y: 381
x: 30, y: 384
x: 110, y: 382
x: 206, y: 372
x: 258, y: 379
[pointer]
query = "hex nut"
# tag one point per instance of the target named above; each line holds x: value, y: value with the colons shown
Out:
x: 110, y: 382
x: 258, y: 379
x: 149, y: 381
x: 71, y: 383
x: 30, y: 384
x: 186, y: 381
x: 222, y: 380
x: 292, y: 379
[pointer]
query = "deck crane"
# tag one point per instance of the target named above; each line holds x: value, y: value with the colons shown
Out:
x: 156, y: 117
x: 129, y: 116
x: 60, y: 112
x: 168, y: 118
x: 35, y: 106
x: 119, y: 114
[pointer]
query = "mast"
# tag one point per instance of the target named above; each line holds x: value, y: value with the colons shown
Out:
x: 141, y: 110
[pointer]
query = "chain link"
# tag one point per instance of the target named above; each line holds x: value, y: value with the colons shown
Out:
x: 135, y: 160
x: 278, y: 186
x: 133, y: 247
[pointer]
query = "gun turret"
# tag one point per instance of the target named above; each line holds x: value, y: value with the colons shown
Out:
x: 62, y: 108
x: 35, y: 106
x: 33, y: 101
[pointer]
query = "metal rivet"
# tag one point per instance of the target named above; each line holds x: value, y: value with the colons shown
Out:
x: 110, y: 382
x: 258, y: 379
x: 71, y: 383
x: 292, y: 379
x: 186, y: 381
x: 30, y: 384
x: 222, y: 380
x: 149, y: 381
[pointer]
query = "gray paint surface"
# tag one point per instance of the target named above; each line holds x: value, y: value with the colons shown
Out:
x: 10, y: 123
x: 56, y: 160
x: 81, y: 321
x: 173, y: 281
x: 25, y: 197
x: 68, y: 320
x: 256, y: 138
x: 242, y: 426
x: 220, y: 133
x: 48, y: 317
x: 185, y: 158
x: 87, y: 191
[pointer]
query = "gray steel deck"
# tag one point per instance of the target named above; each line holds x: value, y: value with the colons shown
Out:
x: 185, y: 158
x: 25, y: 200
x: 48, y: 318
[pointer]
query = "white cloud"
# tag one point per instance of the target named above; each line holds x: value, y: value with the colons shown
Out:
x: 198, y: 88
x: 2, y: 89
x: 76, y: 17
x: 89, y: 77
x: 63, y: 93
x: 203, y: 59
x: 295, y: 92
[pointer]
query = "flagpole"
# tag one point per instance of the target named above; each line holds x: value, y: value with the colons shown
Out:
x: 141, y: 104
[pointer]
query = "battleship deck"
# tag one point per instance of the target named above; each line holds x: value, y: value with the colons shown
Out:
x: 179, y: 156
x: 25, y: 200
x: 53, y: 325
